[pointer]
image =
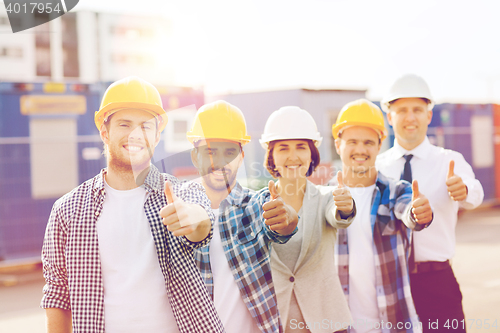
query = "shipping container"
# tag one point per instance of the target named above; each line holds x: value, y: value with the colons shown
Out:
x: 468, y: 129
x: 49, y: 145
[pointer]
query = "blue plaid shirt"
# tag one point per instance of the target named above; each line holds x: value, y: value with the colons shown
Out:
x: 246, y: 241
x: 391, y: 221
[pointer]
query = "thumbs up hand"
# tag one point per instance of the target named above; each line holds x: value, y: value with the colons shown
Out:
x: 184, y: 219
x: 273, y: 190
x: 279, y: 216
x: 342, y: 196
x: 420, y: 207
x: 457, y: 190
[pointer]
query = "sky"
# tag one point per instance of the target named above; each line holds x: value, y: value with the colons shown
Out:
x: 239, y: 46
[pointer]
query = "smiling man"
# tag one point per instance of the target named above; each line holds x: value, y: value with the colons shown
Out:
x: 373, y: 251
x: 236, y: 265
x: 450, y: 182
x: 117, y: 255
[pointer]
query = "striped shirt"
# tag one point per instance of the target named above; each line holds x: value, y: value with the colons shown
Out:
x: 71, y: 264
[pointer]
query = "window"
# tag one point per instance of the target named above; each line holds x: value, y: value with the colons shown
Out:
x: 71, y: 65
x: 179, y: 123
x: 180, y: 130
x: 4, y: 20
x: 11, y: 52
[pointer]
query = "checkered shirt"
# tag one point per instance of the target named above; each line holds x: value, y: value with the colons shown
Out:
x: 72, y: 269
x: 390, y: 215
x: 246, y: 241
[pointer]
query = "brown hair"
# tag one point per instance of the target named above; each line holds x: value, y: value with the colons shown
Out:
x: 271, y: 167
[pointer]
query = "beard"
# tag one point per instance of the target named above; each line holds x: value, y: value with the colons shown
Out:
x: 128, y: 164
x: 218, y: 185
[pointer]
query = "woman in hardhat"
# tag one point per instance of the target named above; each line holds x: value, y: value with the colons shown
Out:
x: 303, y: 269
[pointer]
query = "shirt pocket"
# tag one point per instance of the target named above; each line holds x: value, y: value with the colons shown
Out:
x: 248, y: 229
x: 252, y: 242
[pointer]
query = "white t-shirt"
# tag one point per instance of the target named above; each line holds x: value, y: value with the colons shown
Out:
x: 135, y: 297
x: 362, y: 292
x: 232, y: 311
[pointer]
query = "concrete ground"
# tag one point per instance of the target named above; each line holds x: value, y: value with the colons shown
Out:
x: 476, y: 265
x: 477, y: 268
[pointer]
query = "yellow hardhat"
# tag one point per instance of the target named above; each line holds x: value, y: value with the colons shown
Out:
x: 131, y: 93
x: 219, y: 120
x: 361, y: 112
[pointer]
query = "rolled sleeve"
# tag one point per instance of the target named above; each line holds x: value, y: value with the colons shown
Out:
x: 276, y: 237
x: 56, y: 290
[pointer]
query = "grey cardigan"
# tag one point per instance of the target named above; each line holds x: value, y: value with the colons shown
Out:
x: 315, y: 279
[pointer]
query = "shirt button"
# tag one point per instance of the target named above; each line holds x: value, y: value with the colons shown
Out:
x: 96, y: 213
x: 292, y: 279
x: 252, y: 234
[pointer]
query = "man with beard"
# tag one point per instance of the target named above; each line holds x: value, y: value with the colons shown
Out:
x: 236, y: 265
x: 373, y: 251
x: 117, y: 253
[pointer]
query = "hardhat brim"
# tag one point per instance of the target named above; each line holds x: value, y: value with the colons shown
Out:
x: 385, y: 103
x: 265, y: 142
x: 339, y: 127
x: 193, y: 138
x: 156, y: 110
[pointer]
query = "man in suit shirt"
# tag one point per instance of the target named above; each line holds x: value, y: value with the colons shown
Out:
x: 450, y: 183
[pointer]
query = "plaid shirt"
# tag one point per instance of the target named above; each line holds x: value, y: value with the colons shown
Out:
x: 246, y: 241
x: 390, y: 216
x: 72, y: 267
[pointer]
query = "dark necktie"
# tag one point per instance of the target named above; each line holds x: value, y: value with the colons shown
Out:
x: 408, y: 177
x: 407, y: 169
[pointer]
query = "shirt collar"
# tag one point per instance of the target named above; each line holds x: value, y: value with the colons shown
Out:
x: 98, y: 186
x: 236, y: 196
x: 421, y: 151
x: 154, y: 180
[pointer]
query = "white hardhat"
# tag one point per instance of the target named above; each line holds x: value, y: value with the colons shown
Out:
x: 407, y: 86
x: 289, y: 123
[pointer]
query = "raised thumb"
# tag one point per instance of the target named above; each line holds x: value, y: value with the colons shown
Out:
x: 273, y: 190
x: 169, y: 192
x: 340, y: 179
x: 414, y: 187
x: 451, y: 171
